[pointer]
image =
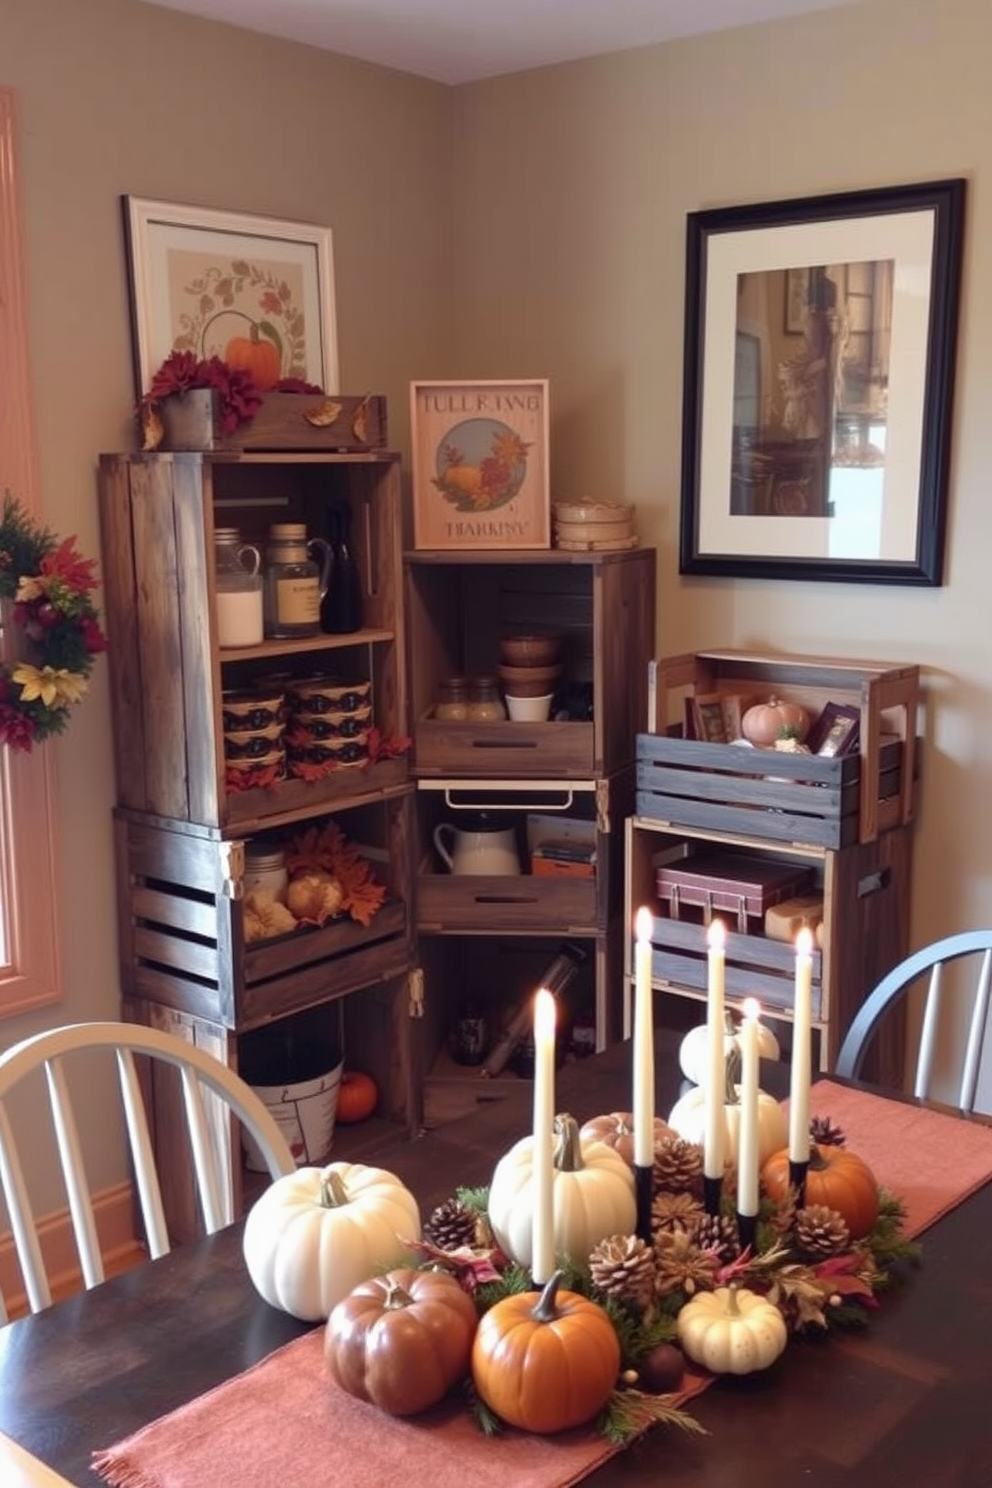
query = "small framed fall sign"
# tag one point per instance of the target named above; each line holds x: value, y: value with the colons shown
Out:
x: 480, y: 464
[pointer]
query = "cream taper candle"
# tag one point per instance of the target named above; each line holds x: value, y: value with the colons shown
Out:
x: 747, y: 1139
x: 643, y: 1055
x: 542, y: 1262
x: 716, y: 1079
x: 802, y: 1019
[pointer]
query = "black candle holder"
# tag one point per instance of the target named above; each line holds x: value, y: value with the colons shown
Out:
x: 797, y: 1180
x: 643, y: 1184
x: 747, y: 1231
x: 712, y: 1194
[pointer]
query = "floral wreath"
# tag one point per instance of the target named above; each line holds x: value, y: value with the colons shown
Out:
x: 45, y: 589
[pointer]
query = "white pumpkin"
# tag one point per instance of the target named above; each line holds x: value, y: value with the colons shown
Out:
x: 731, y: 1330
x: 694, y: 1048
x: 593, y: 1193
x: 688, y: 1118
x: 315, y: 1234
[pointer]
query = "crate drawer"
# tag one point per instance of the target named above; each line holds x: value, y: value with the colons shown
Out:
x: 524, y: 903
x: 517, y: 750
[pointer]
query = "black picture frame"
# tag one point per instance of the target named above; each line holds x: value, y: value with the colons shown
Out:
x: 824, y: 454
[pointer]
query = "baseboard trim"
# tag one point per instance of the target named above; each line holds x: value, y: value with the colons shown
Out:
x: 120, y: 1248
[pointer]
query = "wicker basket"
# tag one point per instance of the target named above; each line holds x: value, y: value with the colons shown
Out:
x: 591, y: 526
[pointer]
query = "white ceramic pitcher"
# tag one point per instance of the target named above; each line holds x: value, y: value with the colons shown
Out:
x: 479, y: 845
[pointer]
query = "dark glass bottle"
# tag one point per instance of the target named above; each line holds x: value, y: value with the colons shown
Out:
x: 341, y: 609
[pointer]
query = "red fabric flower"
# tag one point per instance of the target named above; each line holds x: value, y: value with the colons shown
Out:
x: 66, y: 563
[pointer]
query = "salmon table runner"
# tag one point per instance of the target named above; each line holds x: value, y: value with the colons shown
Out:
x: 240, y: 1434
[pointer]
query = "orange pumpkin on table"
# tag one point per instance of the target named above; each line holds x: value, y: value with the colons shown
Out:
x: 835, y: 1177
x: 357, y: 1097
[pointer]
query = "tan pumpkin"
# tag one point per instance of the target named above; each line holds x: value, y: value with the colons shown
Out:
x: 763, y: 723
x: 548, y: 1365
x: 257, y: 355
x: 835, y: 1177
x: 402, y: 1340
x: 616, y: 1129
x: 732, y: 1330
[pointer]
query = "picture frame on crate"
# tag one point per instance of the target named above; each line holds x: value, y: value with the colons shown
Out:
x: 480, y: 464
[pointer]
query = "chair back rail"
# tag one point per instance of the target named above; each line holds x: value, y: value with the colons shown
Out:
x: 931, y: 962
x: 51, y: 1052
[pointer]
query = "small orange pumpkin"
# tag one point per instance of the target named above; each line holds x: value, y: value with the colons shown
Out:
x: 546, y: 1365
x: 256, y: 355
x: 617, y: 1130
x: 357, y: 1097
x: 835, y: 1177
x: 763, y: 723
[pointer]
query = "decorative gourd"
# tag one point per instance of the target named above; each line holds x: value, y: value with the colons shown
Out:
x: 593, y: 1191
x: 688, y: 1116
x: 315, y: 1234
x: 835, y: 1177
x: 763, y: 723
x: 546, y: 1365
x: 694, y: 1048
x: 357, y: 1097
x: 731, y: 1330
x: 402, y: 1340
x: 617, y: 1131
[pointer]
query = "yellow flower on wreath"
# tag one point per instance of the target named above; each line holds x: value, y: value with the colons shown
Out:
x: 54, y: 686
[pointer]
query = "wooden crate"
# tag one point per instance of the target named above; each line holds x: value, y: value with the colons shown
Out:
x: 787, y: 797
x: 459, y: 605
x: 182, y: 940
x: 192, y: 422
x: 167, y: 672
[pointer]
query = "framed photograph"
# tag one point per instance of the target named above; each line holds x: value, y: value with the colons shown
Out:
x: 251, y: 290
x: 837, y: 731
x: 480, y: 464
x: 815, y: 444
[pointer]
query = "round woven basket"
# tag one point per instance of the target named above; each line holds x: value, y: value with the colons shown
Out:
x: 594, y: 525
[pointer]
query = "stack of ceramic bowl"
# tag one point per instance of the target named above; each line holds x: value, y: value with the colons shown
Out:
x: 329, y: 722
x: 528, y: 672
x: 254, y: 732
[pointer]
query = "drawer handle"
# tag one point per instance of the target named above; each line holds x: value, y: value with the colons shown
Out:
x: 506, y: 899
x: 504, y: 743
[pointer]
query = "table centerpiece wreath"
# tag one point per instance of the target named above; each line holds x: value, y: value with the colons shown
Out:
x: 51, y: 628
x: 805, y: 1265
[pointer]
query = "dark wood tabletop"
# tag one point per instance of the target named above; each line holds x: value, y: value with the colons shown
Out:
x: 902, y: 1402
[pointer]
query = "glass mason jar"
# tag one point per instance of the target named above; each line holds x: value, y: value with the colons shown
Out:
x: 295, y: 582
x: 484, y: 702
x: 265, y: 871
x: 452, y: 698
x: 239, y: 589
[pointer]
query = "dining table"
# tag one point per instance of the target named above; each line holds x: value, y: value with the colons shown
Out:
x: 900, y: 1401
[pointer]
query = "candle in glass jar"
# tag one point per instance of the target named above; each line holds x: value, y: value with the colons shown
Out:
x: 802, y: 1018
x: 643, y: 1097
x: 747, y: 1140
x: 716, y: 1082
x: 542, y: 1180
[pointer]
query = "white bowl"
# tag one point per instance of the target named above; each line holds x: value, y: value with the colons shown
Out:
x: 529, y: 709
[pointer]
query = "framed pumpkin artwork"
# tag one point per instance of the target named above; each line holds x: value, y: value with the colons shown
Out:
x: 255, y: 291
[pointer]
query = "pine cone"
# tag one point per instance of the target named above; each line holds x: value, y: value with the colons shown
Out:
x: 821, y: 1232
x: 823, y: 1131
x: 680, y: 1265
x: 622, y: 1266
x: 718, y: 1233
x: 783, y: 1217
x: 678, y: 1166
x: 675, y: 1211
x: 451, y: 1224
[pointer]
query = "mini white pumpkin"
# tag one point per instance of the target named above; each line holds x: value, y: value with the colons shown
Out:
x: 694, y: 1048
x: 593, y: 1191
x: 315, y: 1234
x: 688, y: 1118
x: 731, y: 1330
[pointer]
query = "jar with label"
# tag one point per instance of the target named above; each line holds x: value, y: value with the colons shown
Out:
x: 238, y: 580
x: 266, y: 872
x: 452, y: 698
x: 295, y: 582
x: 484, y: 702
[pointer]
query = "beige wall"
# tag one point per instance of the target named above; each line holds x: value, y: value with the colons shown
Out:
x: 529, y: 226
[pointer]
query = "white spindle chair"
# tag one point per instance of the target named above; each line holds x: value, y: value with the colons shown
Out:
x: 930, y: 963
x: 51, y: 1051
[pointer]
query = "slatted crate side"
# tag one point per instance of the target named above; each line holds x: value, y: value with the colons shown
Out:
x: 198, y: 739
x: 624, y: 611
x: 756, y: 966
x: 117, y: 573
